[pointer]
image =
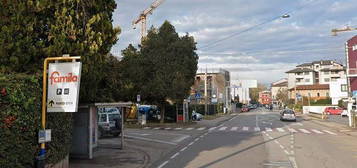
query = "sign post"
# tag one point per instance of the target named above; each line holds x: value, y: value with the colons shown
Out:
x: 52, y: 103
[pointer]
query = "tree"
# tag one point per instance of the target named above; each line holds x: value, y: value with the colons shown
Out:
x: 164, y: 68
x: 254, y: 92
x: 33, y: 30
x: 283, y: 96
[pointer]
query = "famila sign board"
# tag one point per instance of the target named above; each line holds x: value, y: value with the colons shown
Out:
x: 63, y: 86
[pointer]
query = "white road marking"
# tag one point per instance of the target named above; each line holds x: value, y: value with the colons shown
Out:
x: 156, y: 128
x: 176, y: 154
x: 146, y: 127
x: 149, y: 139
x: 178, y: 128
x: 190, y: 143
x: 280, y: 129
x: 197, y: 139
x: 316, y: 131
x: 163, y: 164
x: 168, y: 128
x: 212, y: 128
x: 282, y: 147
x: 245, y: 128
x: 183, y: 149
x: 268, y: 129
x: 292, y: 130
x: 286, y: 152
x: 188, y: 129
x: 222, y: 128
x: 200, y: 129
x: 332, y: 133
x: 300, y: 124
x: 256, y: 129
x: 304, y: 131
x: 234, y: 128
x: 181, y: 138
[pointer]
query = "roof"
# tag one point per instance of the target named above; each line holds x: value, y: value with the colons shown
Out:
x: 304, y: 64
x: 300, y: 70
x: 282, y: 84
x: 312, y: 87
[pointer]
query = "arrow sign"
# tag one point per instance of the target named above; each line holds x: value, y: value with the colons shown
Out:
x: 51, y: 103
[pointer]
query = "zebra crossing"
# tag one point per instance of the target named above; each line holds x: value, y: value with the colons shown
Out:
x: 246, y: 129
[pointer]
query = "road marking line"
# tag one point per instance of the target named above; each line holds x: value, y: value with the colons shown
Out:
x: 202, y: 128
x: 183, y: 149
x: 152, y: 140
x: 293, y: 162
x: 201, y: 136
x: 245, y: 128
x: 291, y: 146
x: 282, y: 147
x: 280, y: 129
x: 179, y: 128
x: 268, y: 129
x: 146, y: 127
x: 234, y: 128
x: 156, y: 128
x: 181, y: 138
x: 332, y: 133
x: 276, y: 141
x: 286, y: 152
x: 257, y: 129
x: 190, y: 143
x: 304, y: 131
x: 222, y: 128
x: 292, y: 130
x: 168, y: 128
x: 173, y: 156
x: 212, y: 128
x: 163, y: 164
x: 316, y: 131
x: 197, y: 139
x: 188, y: 129
x: 300, y: 124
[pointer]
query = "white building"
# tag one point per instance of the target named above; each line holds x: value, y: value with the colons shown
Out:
x: 240, y: 88
x: 338, y: 90
x: 276, y: 87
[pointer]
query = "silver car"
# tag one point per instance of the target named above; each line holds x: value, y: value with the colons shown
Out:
x: 287, y: 115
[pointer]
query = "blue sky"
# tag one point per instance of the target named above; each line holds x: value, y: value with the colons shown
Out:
x: 265, y: 52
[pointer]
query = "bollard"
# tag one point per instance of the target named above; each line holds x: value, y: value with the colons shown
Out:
x: 40, y: 161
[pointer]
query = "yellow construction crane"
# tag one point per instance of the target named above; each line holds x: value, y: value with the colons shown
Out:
x: 142, y: 17
x: 347, y: 28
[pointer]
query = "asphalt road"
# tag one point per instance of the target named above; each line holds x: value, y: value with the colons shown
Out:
x: 258, y: 139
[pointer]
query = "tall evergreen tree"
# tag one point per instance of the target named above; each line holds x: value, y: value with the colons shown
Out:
x: 165, y: 66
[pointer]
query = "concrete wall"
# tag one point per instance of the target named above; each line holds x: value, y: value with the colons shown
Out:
x: 335, y: 90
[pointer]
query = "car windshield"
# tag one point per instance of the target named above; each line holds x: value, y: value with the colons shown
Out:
x: 288, y: 112
x: 102, y: 118
x: 113, y: 116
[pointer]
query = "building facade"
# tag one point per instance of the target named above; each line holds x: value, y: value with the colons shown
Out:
x: 338, y: 90
x: 313, y: 92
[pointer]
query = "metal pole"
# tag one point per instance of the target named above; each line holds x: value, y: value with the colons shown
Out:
x: 122, y: 128
x: 206, y: 107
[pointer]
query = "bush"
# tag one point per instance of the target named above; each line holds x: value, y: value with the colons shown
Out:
x: 20, y: 106
x: 322, y: 102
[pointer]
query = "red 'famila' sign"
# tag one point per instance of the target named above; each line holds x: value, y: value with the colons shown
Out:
x: 57, y: 78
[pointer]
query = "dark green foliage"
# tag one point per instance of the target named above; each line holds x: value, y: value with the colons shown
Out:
x: 322, y: 102
x: 33, y: 30
x: 20, y: 120
x: 164, y: 68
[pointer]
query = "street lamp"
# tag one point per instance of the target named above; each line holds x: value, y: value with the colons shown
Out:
x: 285, y: 16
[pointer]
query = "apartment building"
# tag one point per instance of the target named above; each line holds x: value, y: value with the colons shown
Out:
x: 265, y: 97
x: 276, y: 87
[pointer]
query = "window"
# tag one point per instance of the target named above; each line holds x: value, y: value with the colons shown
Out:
x: 299, y: 73
x: 306, y: 73
x: 307, y: 80
x: 309, y: 94
x: 318, y: 94
x: 327, y: 79
x: 103, y: 118
x: 343, y: 88
x: 327, y: 95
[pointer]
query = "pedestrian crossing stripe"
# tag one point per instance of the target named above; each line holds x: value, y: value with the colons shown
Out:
x: 246, y: 128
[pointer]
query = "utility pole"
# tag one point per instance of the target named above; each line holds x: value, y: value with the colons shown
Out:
x: 206, y: 107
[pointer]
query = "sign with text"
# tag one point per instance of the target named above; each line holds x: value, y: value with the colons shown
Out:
x: 63, y: 86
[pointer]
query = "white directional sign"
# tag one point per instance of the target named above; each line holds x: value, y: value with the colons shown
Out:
x: 63, y: 86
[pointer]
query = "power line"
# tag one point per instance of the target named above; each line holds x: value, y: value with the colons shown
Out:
x: 254, y: 26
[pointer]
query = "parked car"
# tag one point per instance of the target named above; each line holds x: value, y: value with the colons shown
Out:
x: 333, y: 110
x: 245, y: 109
x: 109, y: 122
x: 196, y: 116
x: 287, y: 115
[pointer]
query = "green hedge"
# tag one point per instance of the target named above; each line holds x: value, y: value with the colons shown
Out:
x: 20, y: 110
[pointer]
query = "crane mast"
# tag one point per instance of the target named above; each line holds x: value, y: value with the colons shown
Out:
x: 142, y: 17
x: 347, y: 28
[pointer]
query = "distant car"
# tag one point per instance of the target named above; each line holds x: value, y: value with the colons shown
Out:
x: 109, y: 122
x: 245, y: 109
x: 196, y: 116
x: 287, y: 115
x: 344, y: 113
x: 333, y: 110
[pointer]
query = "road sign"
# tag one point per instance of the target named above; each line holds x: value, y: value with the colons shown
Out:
x: 137, y: 98
x: 63, y: 86
x: 197, y: 96
x: 44, y: 136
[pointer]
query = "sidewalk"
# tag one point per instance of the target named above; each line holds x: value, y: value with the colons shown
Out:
x: 345, y: 129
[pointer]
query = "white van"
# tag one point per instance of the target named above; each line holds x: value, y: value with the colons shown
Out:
x: 109, y: 121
